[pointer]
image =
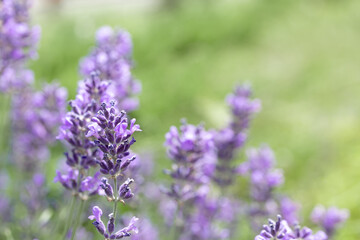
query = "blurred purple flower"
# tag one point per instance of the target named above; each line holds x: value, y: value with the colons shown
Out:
x: 18, y: 43
x: 107, y: 232
x: 111, y: 58
x: 36, y: 116
x: 329, y: 219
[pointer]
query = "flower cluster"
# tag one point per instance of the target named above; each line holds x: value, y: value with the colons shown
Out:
x: 329, y: 219
x: 36, y: 117
x: 280, y: 229
x: 108, y: 231
x: 192, y: 151
x: 97, y: 132
x: 111, y: 58
x: 231, y: 138
x: 112, y: 133
x: 18, y: 43
x: 191, y: 148
x: 263, y: 176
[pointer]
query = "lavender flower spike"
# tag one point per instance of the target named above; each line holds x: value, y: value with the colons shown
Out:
x: 18, y: 43
x: 231, y: 139
x: 329, y: 219
x: 107, y: 232
x: 111, y: 58
x: 280, y: 229
x: 113, y: 136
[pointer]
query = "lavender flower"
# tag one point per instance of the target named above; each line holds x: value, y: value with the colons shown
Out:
x: 111, y: 58
x: 230, y: 139
x: 329, y: 219
x: 18, y: 42
x: 263, y: 176
x: 36, y: 117
x: 289, y: 210
x: 108, y: 232
x: 146, y: 231
x: 280, y: 230
x: 88, y: 186
x: 112, y: 132
x: 192, y: 150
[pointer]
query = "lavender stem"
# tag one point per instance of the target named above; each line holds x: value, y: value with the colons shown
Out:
x: 69, y: 217
x: 78, y: 219
x: 115, y: 200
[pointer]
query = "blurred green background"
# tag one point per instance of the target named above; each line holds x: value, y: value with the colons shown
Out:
x: 301, y: 57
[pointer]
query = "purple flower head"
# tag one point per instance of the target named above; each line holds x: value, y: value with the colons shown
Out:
x: 107, y: 232
x: 36, y: 117
x: 90, y: 185
x: 329, y: 219
x: 242, y: 106
x: 113, y: 135
x: 98, y: 223
x: 306, y: 233
x: 274, y: 230
x: 281, y: 230
x: 69, y: 179
x: 231, y: 139
x: 18, y: 43
x: 192, y: 150
x: 125, y: 191
x: 111, y: 58
x: 289, y: 210
x: 263, y: 176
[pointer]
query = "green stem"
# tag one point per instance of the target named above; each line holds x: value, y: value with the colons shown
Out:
x: 69, y: 218
x: 77, y: 219
x: 115, y: 200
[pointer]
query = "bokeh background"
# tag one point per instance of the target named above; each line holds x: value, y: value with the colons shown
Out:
x: 301, y: 57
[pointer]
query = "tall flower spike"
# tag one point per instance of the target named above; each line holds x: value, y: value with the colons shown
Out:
x: 231, y: 138
x: 18, y: 43
x: 111, y: 58
x: 263, y: 176
x: 191, y: 148
x: 36, y: 117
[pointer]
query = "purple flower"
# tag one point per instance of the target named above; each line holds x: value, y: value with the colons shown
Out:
x: 263, y: 177
x: 242, y: 107
x: 231, y: 139
x: 18, y: 43
x: 289, y: 210
x: 69, y: 179
x: 146, y: 231
x: 280, y: 230
x: 36, y: 116
x: 91, y: 184
x: 274, y: 230
x: 113, y: 136
x: 111, y: 58
x: 192, y: 150
x: 107, y: 232
x: 329, y: 219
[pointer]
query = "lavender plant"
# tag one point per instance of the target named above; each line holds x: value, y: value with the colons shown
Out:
x: 191, y: 148
x: 199, y: 203
x: 231, y: 139
x: 18, y: 43
x: 97, y: 131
